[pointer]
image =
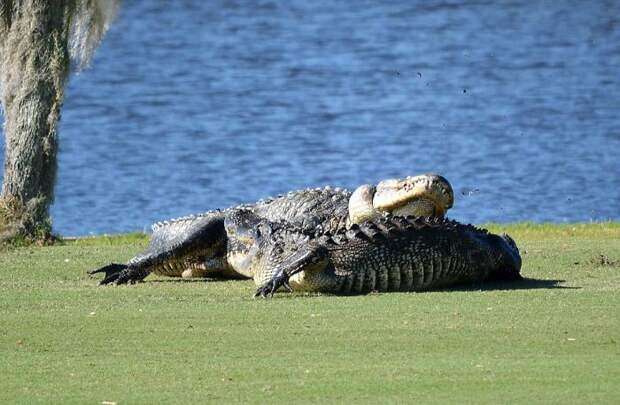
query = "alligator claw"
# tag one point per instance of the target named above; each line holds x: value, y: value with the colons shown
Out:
x: 110, y: 269
x: 116, y: 274
x: 123, y: 278
x: 112, y: 272
x: 109, y: 279
x: 280, y: 279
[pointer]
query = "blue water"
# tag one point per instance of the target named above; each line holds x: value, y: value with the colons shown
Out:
x: 193, y: 105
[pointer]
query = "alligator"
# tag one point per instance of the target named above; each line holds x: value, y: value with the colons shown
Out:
x: 199, y: 245
x: 391, y: 253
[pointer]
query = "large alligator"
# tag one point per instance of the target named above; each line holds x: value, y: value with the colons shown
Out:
x: 199, y: 246
x: 385, y: 254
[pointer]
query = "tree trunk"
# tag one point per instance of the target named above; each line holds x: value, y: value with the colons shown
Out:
x: 34, y: 67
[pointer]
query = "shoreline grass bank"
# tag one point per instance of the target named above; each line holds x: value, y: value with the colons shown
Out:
x: 551, y: 338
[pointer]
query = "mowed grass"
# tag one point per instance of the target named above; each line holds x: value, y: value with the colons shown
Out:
x: 553, y: 338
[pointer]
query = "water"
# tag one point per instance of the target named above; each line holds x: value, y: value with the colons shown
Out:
x: 195, y: 105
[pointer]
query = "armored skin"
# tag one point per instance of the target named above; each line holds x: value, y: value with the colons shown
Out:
x: 200, y: 246
x: 385, y: 254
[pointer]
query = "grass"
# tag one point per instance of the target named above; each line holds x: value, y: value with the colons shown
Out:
x: 553, y: 338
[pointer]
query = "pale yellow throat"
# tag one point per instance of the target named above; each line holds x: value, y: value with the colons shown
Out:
x: 360, y: 205
x: 421, y: 207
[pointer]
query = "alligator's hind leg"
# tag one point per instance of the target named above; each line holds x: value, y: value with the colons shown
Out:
x: 130, y: 275
x: 120, y: 274
x: 111, y: 271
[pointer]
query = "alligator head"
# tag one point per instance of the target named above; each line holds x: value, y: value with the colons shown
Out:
x: 243, y: 230
x: 262, y: 243
x: 426, y: 195
x: 508, y: 259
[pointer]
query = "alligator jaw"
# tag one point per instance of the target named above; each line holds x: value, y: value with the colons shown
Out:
x: 424, y: 195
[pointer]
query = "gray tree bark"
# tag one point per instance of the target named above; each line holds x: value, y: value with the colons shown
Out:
x: 36, y: 39
x: 35, y: 65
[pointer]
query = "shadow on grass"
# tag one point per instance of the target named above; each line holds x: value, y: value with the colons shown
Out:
x: 524, y: 284
x: 193, y: 280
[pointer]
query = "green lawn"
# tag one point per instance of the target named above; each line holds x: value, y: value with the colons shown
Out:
x: 553, y: 338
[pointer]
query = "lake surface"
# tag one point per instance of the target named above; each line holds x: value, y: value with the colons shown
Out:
x: 194, y: 105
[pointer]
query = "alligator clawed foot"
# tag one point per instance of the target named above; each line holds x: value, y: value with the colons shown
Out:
x: 287, y: 286
x: 112, y: 272
x: 124, y: 277
x: 280, y: 279
x: 116, y: 274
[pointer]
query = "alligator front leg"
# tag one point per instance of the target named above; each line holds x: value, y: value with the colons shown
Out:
x: 120, y: 274
x: 279, y: 279
x: 308, y: 258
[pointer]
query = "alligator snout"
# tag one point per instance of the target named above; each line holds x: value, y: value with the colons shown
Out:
x: 509, y: 266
